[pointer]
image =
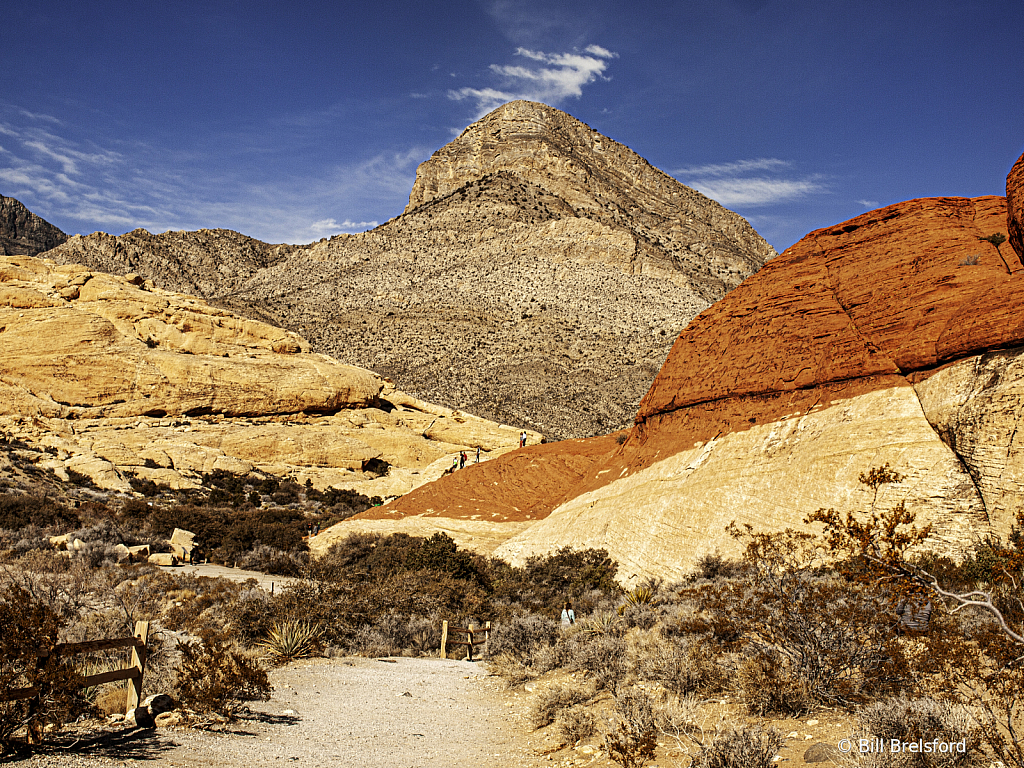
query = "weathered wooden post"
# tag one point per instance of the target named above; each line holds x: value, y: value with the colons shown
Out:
x: 137, y: 663
x: 444, y: 639
x: 469, y: 637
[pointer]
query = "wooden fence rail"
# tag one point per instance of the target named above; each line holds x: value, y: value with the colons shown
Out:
x: 474, y: 636
x: 136, y: 664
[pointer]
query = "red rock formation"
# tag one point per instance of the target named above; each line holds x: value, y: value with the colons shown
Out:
x: 523, y: 485
x: 1015, y: 207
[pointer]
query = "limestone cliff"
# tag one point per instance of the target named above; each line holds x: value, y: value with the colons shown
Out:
x: 117, y: 380
x: 24, y: 233
x: 537, y: 277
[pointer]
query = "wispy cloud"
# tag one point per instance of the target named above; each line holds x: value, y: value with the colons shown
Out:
x: 869, y: 204
x: 82, y: 186
x: 751, y: 183
x: 547, y: 77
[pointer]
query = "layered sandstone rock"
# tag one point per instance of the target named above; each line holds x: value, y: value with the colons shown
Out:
x: 1015, y: 207
x: 24, y: 233
x: 895, y: 338
x: 537, y: 277
x: 113, y: 379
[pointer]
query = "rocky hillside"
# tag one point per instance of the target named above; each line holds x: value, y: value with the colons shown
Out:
x: 22, y: 232
x: 537, y: 277
x: 120, y: 382
x: 895, y: 337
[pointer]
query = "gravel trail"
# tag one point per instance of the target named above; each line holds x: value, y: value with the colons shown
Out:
x: 370, y: 713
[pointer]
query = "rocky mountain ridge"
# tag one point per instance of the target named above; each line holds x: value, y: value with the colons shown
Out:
x: 537, y: 277
x: 22, y: 232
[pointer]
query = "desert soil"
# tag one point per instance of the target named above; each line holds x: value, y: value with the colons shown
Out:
x: 370, y: 713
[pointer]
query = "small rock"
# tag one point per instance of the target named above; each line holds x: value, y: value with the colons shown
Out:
x: 289, y: 712
x: 793, y: 735
x: 117, y: 717
x: 812, y: 722
x: 169, y: 719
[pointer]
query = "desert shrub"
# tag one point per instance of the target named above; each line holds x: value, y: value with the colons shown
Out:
x: 30, y: 627
x: 522, y: 637
x: 251, y: 616
x: 682, y: 665
x: 602, y: 657
x: 552, y: 700
x: 201, y: 603
x: 713, y: 566
x: 749, y: 746
x: 769, y: 685
x: 267, y: 559
x: 215, y: 678
x: 633, y: 739
x: 904, y: 720
x: 397, y: 635
x: 112, y: 700
x: 18, y: 511
x: 546, y: 581
x: 575, y: 723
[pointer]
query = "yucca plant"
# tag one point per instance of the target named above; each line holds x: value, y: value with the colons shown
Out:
x: 292, y: 639
x: 599, y: 624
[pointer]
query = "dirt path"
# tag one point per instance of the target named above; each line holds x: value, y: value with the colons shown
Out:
x: 265, y: 581
x: 365, y: 713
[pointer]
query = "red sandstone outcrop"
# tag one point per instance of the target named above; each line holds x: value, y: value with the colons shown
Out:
x: 893, y: 337
x: 1015, y: 207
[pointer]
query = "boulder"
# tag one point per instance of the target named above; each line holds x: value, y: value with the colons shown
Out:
x: 60, y: 542
x: 122, y: 553
x: 163, y: 558
x: 139, y: 717
x: 139, y: 554
x: 158, y: 704
x: 182, y: 543
x: 169, y: 719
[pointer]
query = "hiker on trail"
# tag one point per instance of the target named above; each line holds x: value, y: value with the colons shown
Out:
x: 522, y: 439
x: 462, y: 460
x: 568, y: 615
x: 309, y: 531
x: 478, y: 454
x: 455, y: 463
x: 316, y: 529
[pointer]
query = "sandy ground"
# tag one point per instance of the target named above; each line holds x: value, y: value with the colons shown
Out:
x: 370, y: 713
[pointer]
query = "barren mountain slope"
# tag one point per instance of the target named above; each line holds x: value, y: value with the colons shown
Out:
x: 537, y: 277
x: 24, y: 233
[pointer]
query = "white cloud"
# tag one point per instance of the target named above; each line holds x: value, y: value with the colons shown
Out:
x: 745, y: 182
x: 757, y: 191
x: 733, y: 169
x: 550, y: 78
x: 81, y: 186
x: 869, y: 204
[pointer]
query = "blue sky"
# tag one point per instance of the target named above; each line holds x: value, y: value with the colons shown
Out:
x: 295, y: 121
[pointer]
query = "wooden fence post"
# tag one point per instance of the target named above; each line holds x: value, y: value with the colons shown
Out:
x: 487, y: 631
x: 444, y: 639
x: 137, y: 663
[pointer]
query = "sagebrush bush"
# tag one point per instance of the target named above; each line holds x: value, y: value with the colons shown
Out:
x: 575, y: 723
x: 216, y: 678
x: 907, y: 720
x: 28, y: 626
x: 682, y: 665
x: 553, y: 699
x: 634, y: 737
x: 522, y: 637
x: 602, y: 657
x: 743, y: 746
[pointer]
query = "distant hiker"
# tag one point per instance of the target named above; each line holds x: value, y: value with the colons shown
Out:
x: 309, y: 531
x: 478, y: 454
x: 455, y: 464
x: 522, y: 439
x: 316, y: 529
x: 462, y: 460
x: 568, y: 615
